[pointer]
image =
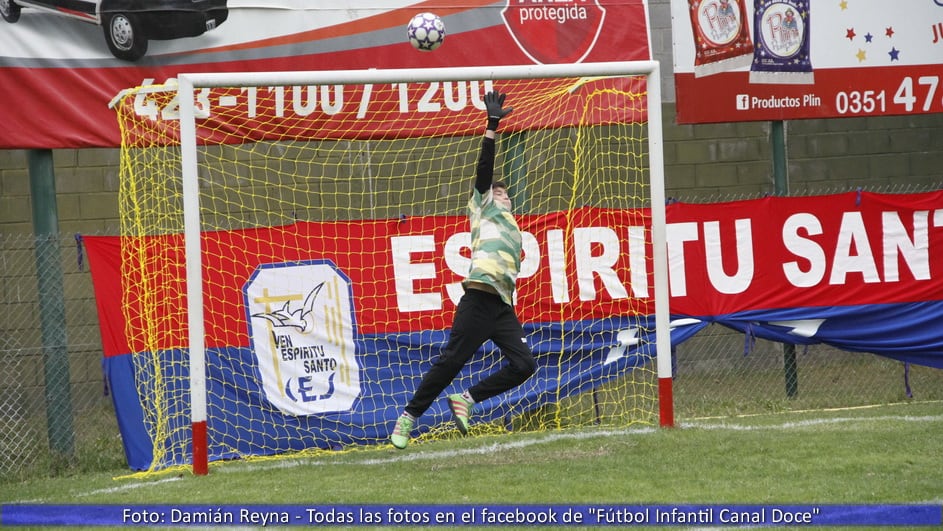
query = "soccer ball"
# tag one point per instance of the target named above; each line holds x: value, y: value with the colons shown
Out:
x: 426, y: 32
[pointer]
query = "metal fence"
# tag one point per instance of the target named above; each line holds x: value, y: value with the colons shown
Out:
x: 55, y: 411
x: 720, y: 372
x: 56, y: 414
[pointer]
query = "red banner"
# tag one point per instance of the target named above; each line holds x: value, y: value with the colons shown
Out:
x: 62, y: 74
x: 786, y: 252
x: 806, y: 59
x: 376, y: 111
x: 842, y: 250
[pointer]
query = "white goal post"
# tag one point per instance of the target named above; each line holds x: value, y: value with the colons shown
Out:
x: 189, y: 83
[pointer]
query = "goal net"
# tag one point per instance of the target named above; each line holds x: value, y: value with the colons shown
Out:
x: 293, y: 246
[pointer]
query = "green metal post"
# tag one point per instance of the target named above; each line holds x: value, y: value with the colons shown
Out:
x: 51, y: 303
x: 781, y: 185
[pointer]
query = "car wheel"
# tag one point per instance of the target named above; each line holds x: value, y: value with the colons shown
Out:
x: 125, y: 38
x: 9, y: 10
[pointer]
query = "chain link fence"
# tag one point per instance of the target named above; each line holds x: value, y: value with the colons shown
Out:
x: 721, y: 373
x: 56, y: 413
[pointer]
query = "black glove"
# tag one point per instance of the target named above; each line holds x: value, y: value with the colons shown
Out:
x: 494, y: 101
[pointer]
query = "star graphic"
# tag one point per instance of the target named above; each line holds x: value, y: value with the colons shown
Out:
x: 889, y: 31
x: 894, y: 53
x: 843, y: 5
x: 868, y: 37
x: 861, y: 55
x: 850, y: 34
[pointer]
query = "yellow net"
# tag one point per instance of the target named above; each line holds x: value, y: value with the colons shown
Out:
x: 334, y: 240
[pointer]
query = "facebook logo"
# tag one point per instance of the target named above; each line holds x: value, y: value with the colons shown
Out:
x: 743, y: 102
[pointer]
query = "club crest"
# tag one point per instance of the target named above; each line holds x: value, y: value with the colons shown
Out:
x: 554, y: 33
x: 301, y: 325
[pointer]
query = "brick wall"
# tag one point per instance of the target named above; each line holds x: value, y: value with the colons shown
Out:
x: 728, y: 161
x: 702, y: 162
x: 86, y: 186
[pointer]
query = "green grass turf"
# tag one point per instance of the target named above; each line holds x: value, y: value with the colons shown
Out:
x: 883, y: 454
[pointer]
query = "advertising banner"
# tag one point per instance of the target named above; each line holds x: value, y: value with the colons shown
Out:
x: 62, y: 62
x: 334, y: 330
x: 743, y: 60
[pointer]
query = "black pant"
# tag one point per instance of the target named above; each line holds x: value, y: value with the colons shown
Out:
x: 480, y: 316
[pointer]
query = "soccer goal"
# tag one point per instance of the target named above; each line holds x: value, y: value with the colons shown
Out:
x: 293, y: 247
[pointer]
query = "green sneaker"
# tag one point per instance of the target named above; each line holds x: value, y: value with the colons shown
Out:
x: 400, y: 436
x: 461, y: 409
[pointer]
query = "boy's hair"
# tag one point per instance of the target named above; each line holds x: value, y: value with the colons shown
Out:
x: 499, y: 184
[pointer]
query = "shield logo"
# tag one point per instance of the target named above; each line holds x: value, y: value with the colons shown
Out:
x: 554, y: 33
x: 301, y: 321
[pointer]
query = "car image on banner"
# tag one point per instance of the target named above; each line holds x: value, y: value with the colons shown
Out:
x: 129, y: 24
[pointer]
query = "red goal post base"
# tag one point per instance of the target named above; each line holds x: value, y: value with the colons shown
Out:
x: 200, y: 447
x: 666, y: 413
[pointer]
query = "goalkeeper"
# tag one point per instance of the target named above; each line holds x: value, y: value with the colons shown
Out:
x: 486, y: 310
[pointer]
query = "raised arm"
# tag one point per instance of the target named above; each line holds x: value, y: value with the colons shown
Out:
x: 484, y: 174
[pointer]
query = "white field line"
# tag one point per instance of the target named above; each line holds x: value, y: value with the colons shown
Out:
x: 503, y: 445
x: 810, y: 422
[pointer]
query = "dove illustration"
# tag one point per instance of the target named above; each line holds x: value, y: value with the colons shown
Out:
x: 302, y: 319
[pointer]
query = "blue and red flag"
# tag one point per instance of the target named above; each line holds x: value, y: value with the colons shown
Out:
x: 317, y: 333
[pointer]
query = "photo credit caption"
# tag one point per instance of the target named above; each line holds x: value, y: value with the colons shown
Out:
x: 471, y: 515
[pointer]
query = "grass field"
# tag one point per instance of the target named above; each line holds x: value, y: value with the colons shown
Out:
x: 869, y: 455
